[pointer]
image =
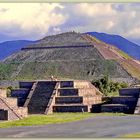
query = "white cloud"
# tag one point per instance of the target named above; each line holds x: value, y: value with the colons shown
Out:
x: 95, y: 9
x: 29, y: 18
x: 34, y: 20
x: 112, y: 18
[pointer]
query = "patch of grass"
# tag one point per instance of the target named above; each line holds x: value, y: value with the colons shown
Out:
x: 46, y: 119
x: 134, y: 135
x: 115, y: 93
x: 53, y: 119
x: 125, y: 55
x: 132, y: 70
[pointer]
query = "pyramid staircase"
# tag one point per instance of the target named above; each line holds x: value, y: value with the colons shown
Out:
x: 68, y: 99
x: 45, y: 97
x: 9, y: 108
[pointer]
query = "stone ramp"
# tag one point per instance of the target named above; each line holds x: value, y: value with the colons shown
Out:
x: 41, y: 96
x: 45, y: 97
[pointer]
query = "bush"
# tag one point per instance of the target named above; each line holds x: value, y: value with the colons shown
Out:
x: 106, y: 86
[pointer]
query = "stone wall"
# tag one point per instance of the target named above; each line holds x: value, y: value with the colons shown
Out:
x: 90, y: 97
x: 11, y: 114
x: 10, y: 105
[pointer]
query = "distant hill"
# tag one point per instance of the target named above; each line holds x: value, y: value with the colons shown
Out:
x: 123, y: 44
x: 9, y: 47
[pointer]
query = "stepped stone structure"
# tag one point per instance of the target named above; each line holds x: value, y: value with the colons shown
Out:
x: 45, y: 97
x: 128, y: 101
x: 9, y: 109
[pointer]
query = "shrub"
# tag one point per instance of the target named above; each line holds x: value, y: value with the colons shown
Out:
x: 106, y: 86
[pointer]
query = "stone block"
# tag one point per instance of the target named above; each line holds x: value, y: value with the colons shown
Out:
x: 26, y: 84
x: 126, y: 100
x: 3, y: 93
x: 68, y: 92
x: 130, y: 92
x: 66, y: 84
x: 23, y: 111
x: 69, y: 100
x: 12, y: 101
x: 70, y: 108
x: 20, y: 93
x: 115, y: 108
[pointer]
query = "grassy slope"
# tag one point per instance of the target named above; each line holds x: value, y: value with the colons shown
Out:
x: 6, y: 70
x: 135, y: 72
x: 81, y: 69
x: 134, y: 135
x: 52, y: 119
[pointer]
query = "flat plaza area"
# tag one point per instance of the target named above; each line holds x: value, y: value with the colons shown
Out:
x: 95, y: 126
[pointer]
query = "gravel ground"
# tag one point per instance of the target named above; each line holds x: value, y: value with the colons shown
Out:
x: 98, y: 126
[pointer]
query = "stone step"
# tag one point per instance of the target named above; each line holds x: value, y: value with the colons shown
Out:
x: 130, y: 92
x: 66, y: 84
x: 69, y: 100
x: 70, y: 108
x: 26, y: 84
x: 20, y: 92
x: 126, y: 100
x: 68, y: 92
x: 120, y: 108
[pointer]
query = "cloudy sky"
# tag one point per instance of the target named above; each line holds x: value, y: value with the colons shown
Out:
x: 35, y: 20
